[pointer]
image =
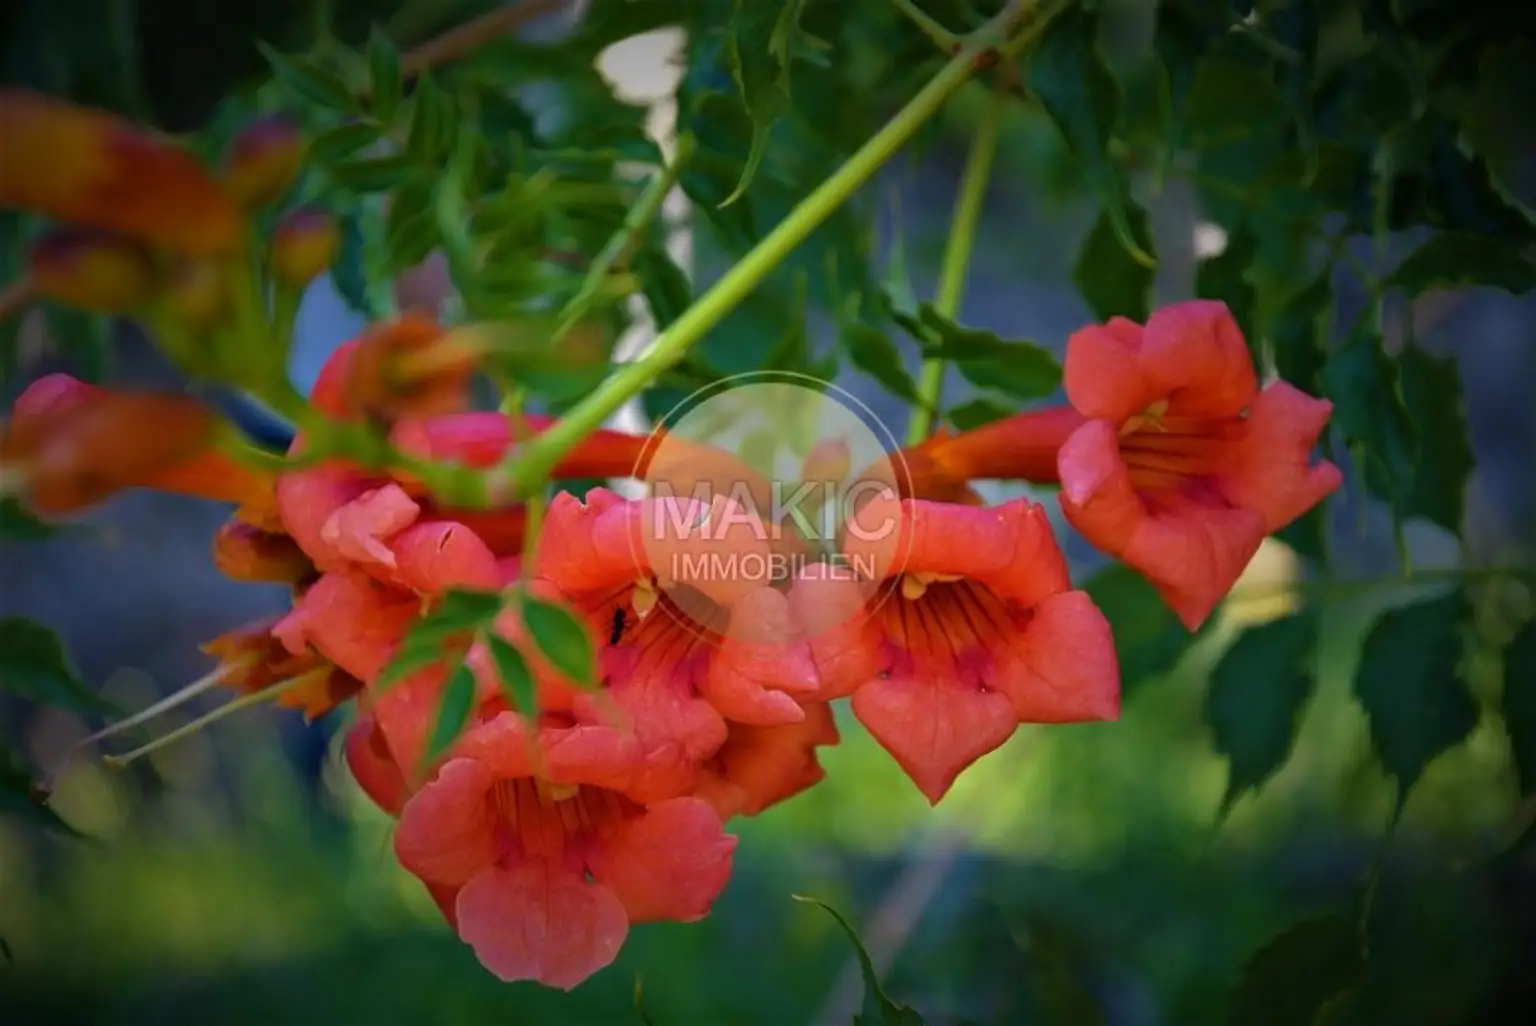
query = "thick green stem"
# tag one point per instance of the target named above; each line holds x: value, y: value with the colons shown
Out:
x: 541, y: 456
x: 957, y: 255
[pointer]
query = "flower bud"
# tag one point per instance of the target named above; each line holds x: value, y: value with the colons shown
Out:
x: 244, y: 552
x: 252, y: 660
x: 91, y: 270
x: 411, y: 367
x: 304, y: 246
x: 197, y: 294
x: 264, y: 161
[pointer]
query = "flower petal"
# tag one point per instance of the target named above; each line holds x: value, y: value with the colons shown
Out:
x: 353, y: 621
x: 761, y: 665
x: 1103, y: 374
x: 446, y: 833
x: 1062, y: 668
x: 668, y: 863
x: 758, y: 767
x: 1272, y: 470
x: 1197, y: 355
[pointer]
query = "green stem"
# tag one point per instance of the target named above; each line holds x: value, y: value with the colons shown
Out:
x: 943, y: 38
x: 957, y: 256
x: 542, y: 455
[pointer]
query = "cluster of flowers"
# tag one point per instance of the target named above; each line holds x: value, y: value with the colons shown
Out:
x: 544, y: 833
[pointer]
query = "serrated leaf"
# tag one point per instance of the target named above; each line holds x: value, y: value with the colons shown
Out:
x: 308, y: 80
x: 349, y: 271
x: 1436, y: 488
x: 1368, y: 406
x: 17, y: 524
x: 1149, y: 639
x: 34, y: 666
x: 1459, y: 259
x: 1257, y: 694
x: 1023, y: 370
x: 20, y: 799
x: 1298, y: 332
x: 978, y: 412
x: 563, y: 639
x: 666, y: 288
x: 1067, y: 72
x: 1110, y: 281
x: 385, y: 82
x: 466, y: 608
x: 1409, y: 683
x: 374, y: 174
x: 1231, y: 98
x: 1293, y: 978
x: 875, y: 353
x: 453, y: 712
x: 341, y: 141
x: 433, y: 122
x: 760, y: 50
x: 516, y: 678
x: 1519, y: 705
x: 1492, y: 122
x: 1225, y: 277
x: 879, y: 1009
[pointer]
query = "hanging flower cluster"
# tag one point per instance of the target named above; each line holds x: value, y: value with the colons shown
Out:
x: 569, y: 803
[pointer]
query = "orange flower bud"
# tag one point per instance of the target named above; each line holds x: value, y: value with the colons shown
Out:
x: 244, y: 552
x: 411, y: 367
x: 197, y: 294
x: 91, y: 270
x: 264, y: 161
x: 252, y: 660
x: 86, y: 167
x: 73, y: 448
x: 304, y: 246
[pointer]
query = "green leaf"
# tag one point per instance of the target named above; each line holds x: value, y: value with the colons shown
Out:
x: 1409, y: 682
x: 760, y: 50
x: 1458, y: 259
x: 341, y: 141
x: 1519, y: 705
x: 563, y: 639
x: 516, y: 678
x: 1225, y: 277
x: 1257, y: 694
x: 454, y: 711
x: 875, y: 353
x: 374, y: 174
x: 879, y: 1009
x: 978, y: 412
x: 1495, y: 123
x: 309, y: 81
x: 667, y: 289
x: 443, y: 632
x: 349, y: 272
x: 1068, y: 74
x: 19, y: 524
x: 1368, y: 406
x: 434, y: 117
x: 1298, y: 331
x: 1023, y: 370
x: 34, y: 665
x: 1293, y: 978
x: 1436, y: 488
x: 1111, y: 282
x: 1232, y: 98
x: 1149, y: 639
x: 385, y: 82
x: 20, y: 798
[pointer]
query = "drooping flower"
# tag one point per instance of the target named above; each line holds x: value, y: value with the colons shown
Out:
x: 950, y: 625
x: 85, y: 167
x: 70, y: 445
x: 759, y: 767
x: 1185, y: 465
x: 549, y: 864
x: 696, y: 633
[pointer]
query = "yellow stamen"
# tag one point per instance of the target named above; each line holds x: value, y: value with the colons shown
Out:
x: 644, y: 599
x: 220, y: 673
x: 912, y: 587
x: 552, y: 792
x: 227, y: 709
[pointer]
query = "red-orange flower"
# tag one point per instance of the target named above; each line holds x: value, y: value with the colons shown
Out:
x: 88, y: 168
x: 1185, y: 465
x: 245, y: 552
x: 974, y: 628
x: 551, y: 866
x: 759, y: 767
x: 72, y: 445
x: 252, y: 659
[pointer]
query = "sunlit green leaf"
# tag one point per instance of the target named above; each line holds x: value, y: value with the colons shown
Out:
x: 1111, y: 282
x: 34, y: 665
x: 453, y: 712
x: 1368, y: 406
x: 1293, y: 978
x: 564, y: 640
x: 1519, y: 705
x: 1409, y: 682
x: 1257, y: 694
x: 879, y: 1009
x: 385, y: 83
x: 516, y: 678
x: 307, y: 80
x: 1452, y: 260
